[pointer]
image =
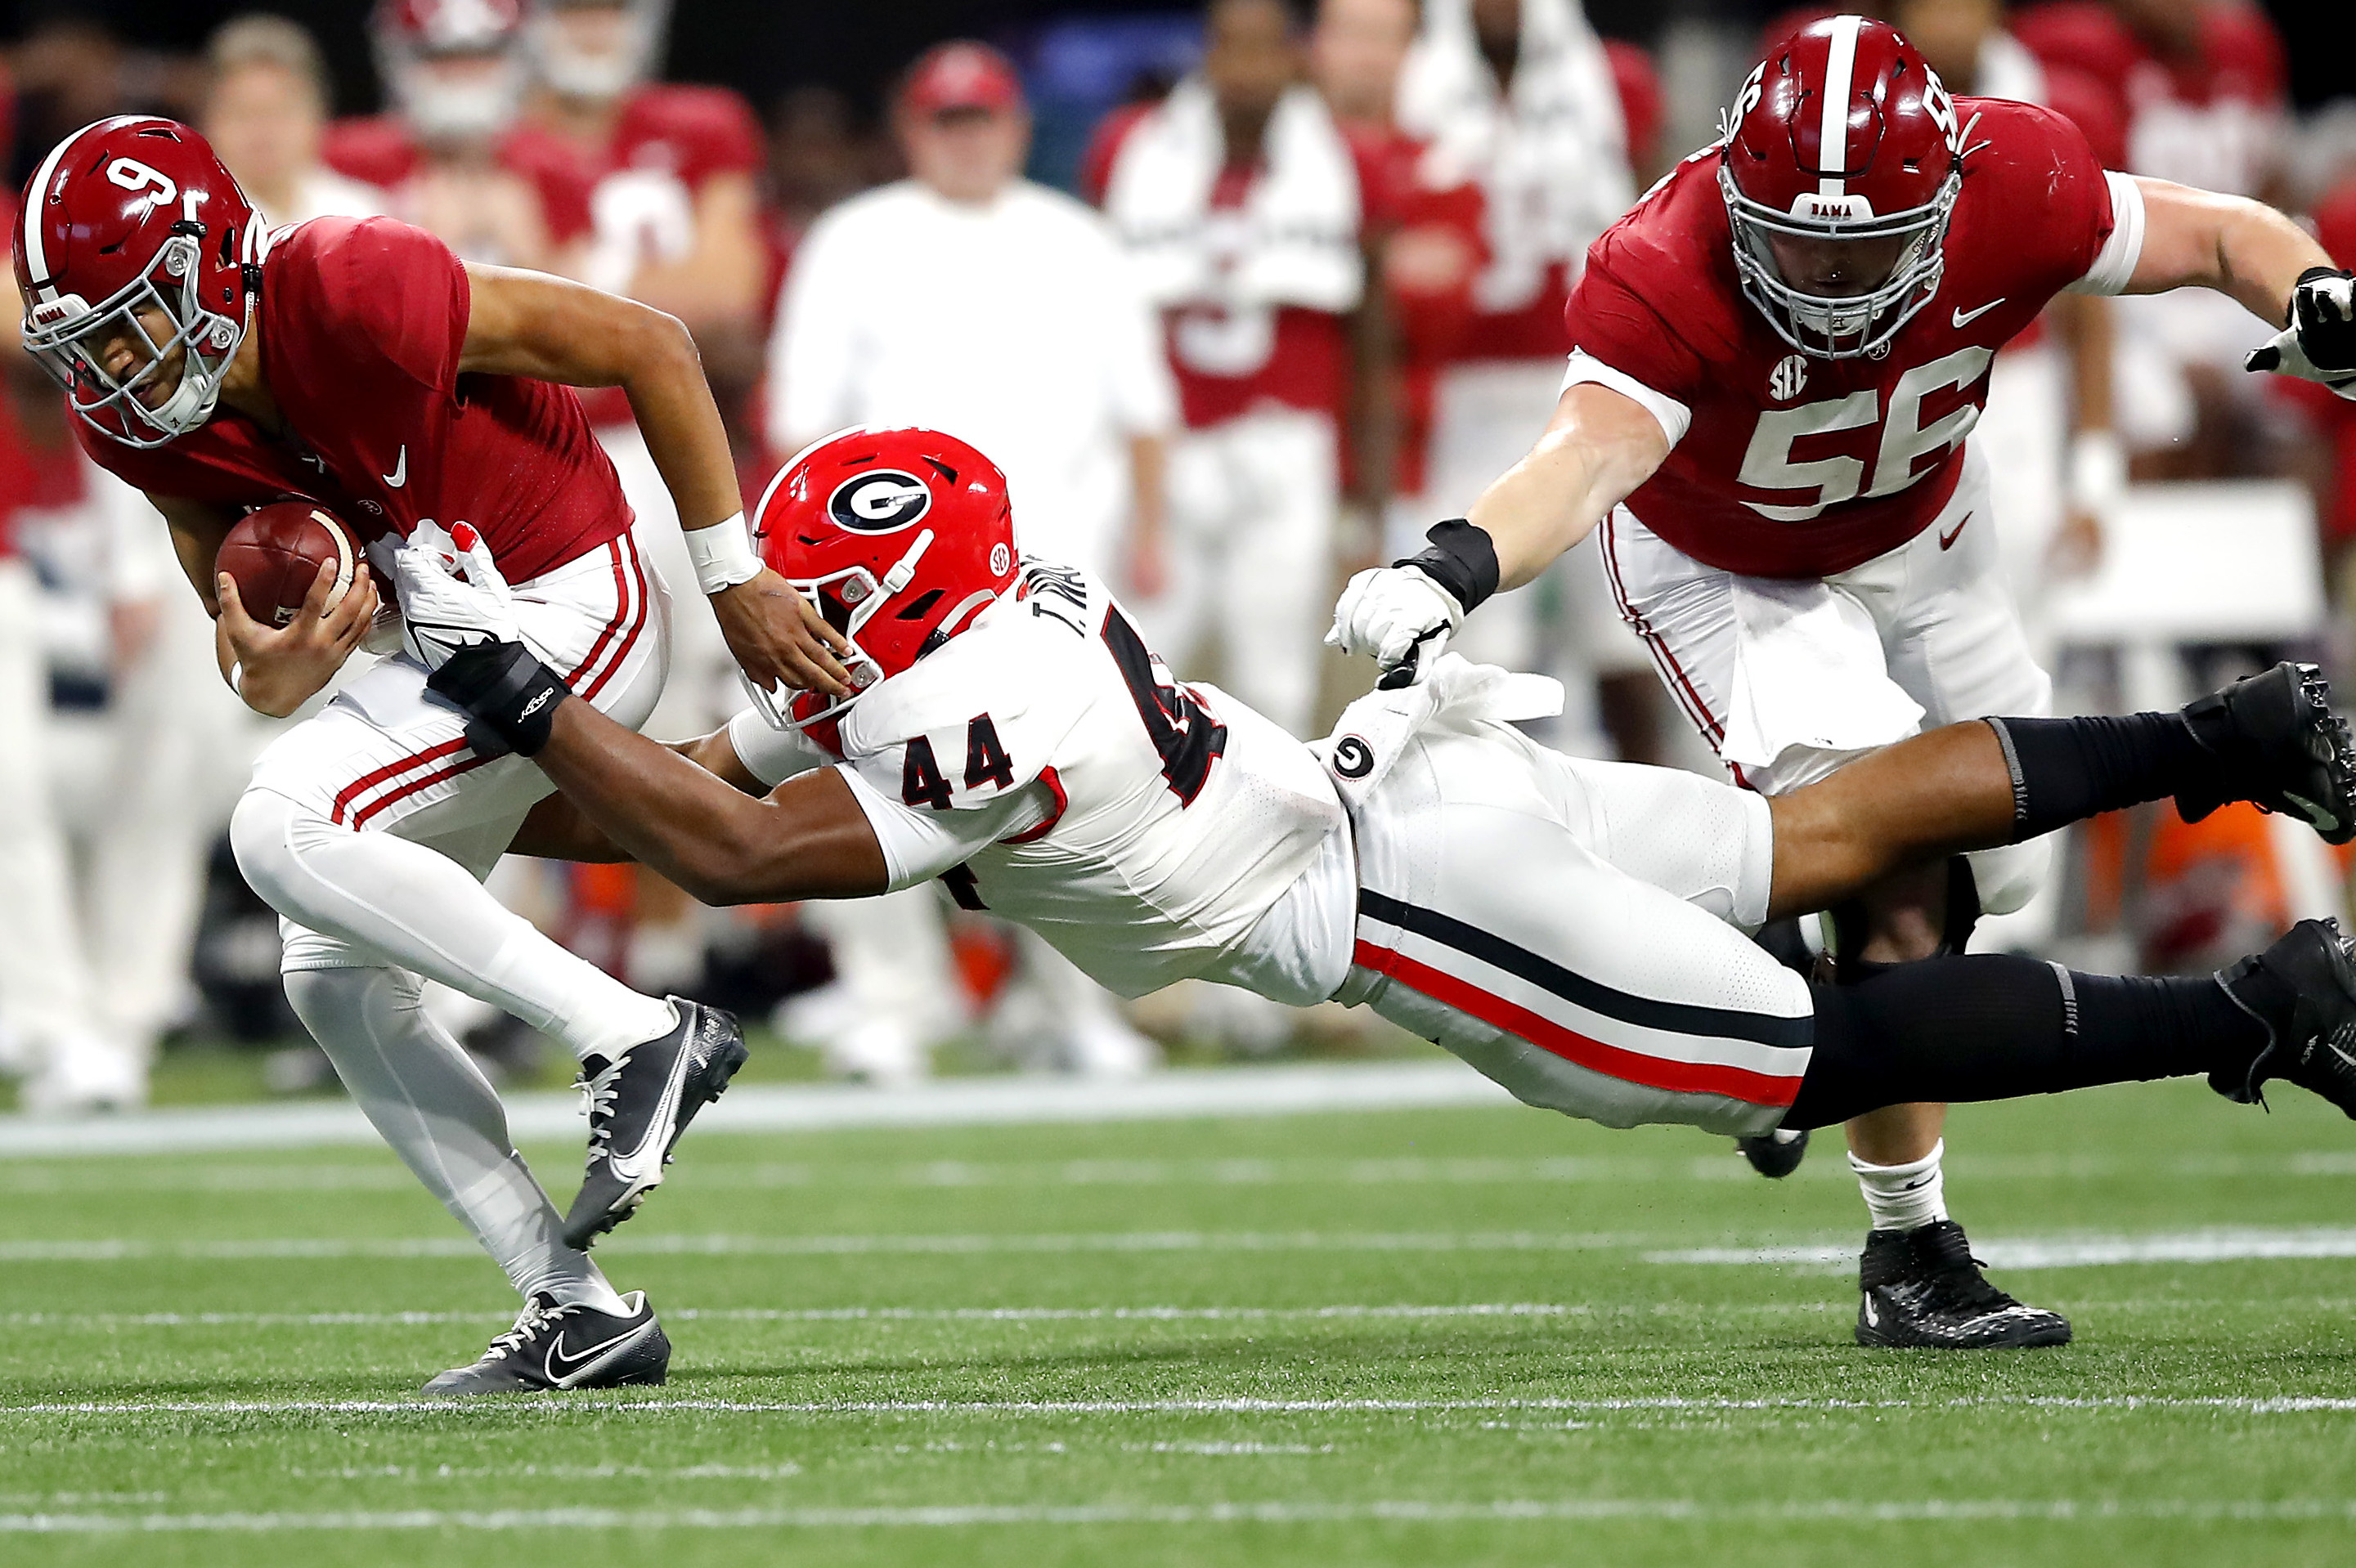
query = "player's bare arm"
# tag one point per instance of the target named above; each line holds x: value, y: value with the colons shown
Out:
x: 528, y: 324
x: 2229, y: 244
x: 1599, y: 447
x: 631, y: 798
x: 557, y: 830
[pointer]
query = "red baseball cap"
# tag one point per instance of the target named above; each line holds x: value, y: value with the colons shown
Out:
x: 962, y: 75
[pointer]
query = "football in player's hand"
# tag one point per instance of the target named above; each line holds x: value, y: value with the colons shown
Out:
x: 273, y: 556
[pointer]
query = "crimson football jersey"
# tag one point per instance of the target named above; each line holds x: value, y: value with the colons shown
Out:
x: 382, y: 151
x: 1297, y: 358
x: 360, y: 324
x: 1784, y: 464
x: 691, y: 133
x: 2211, y: 118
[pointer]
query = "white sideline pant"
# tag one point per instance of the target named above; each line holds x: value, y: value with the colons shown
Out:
x: 1252, y: 508
x: 46, y: 997
x: 1790, y: 678
x: 1576, y: 931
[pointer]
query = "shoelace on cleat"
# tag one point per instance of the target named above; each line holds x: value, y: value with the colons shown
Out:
x: 598, y: 1092
x: 1956, y: 1278
x: 528, y: 1323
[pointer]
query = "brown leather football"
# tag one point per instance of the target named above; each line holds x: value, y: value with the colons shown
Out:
x: 273, y: 555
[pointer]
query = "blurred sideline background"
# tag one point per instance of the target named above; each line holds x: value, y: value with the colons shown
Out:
x: 829, y: 198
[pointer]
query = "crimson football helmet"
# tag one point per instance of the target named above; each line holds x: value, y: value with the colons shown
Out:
x: 899, y: 536
x: 455, y: 67
x: 1842, y: 137
x: 138, y: 258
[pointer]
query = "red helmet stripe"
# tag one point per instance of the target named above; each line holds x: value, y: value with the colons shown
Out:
x: 1832, y: 134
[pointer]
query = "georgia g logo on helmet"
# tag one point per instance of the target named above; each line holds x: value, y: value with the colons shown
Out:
x: 880, y: 501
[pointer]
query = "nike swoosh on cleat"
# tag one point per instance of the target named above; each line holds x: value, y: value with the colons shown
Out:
x: 630, y: 1167
x: 2320, y: 816
x: 1872, y: 1318
x: 560, y: 1366
x: 1965, y: 317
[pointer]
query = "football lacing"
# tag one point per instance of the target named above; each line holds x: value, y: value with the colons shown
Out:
x: 535, y: 1317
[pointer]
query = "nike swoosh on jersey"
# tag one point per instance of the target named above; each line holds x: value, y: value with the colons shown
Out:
x: 1947, y: 539
x: 1965, y: 317
x: 631, y: 1165
x: 399, y: 474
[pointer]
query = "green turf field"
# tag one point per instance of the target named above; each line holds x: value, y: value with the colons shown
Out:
x: 1406, y: 1337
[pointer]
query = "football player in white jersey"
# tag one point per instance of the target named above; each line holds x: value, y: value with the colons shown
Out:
x: 1572, y: 929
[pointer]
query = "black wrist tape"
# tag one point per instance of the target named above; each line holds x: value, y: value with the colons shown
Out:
x: 506, y: 690
x: 1463, y: 559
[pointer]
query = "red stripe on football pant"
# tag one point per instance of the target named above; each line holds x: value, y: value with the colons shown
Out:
x: 1612, y: 1060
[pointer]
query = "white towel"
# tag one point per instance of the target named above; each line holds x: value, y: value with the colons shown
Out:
x: 1373, y: 730
x: 1551, y: 157
x: 1297, y: 240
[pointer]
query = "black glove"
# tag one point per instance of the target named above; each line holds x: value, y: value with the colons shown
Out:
x: 510, y: 695
x: 2319, y: 344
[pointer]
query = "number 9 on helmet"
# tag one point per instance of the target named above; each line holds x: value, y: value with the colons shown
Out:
x: 899, y: 537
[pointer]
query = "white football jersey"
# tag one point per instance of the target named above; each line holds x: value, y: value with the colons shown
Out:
x: 1046, y: 767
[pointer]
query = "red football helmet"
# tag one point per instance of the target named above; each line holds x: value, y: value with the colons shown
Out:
x: 127, y: 219
x: 899, y: 536
x: 1841, y: 161
x: 455, y: 67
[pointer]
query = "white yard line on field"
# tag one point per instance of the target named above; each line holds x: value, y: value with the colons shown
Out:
x: 2217, y: 1245
x: 112, y: 1321
x: 955, y: 1516
x: 382, y: 1174
x: 2224, y: 1244
x: 1278, y: 1090
x: 609, y: 1408
x: 115, y: 1249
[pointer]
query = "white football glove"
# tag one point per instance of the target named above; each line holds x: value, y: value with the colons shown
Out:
x: 451, y: 594
x: 1397, y: 614
x: 2319, y: 344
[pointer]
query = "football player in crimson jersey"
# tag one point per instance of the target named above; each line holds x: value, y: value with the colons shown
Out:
x: 358, y: 363
x: 1569, y: 928
x: 1776, y: 359
x: 451, y: 155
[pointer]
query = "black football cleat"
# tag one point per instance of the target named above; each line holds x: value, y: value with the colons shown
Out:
x: 2283, y: 749
x: 639, y: 1104
x: 1775, y: 1155
x: 2309, y: 1014
x: 552, y: 1348
x: 1923, y: 1290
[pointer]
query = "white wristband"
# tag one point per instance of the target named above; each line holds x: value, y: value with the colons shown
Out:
x: 723, y: 555
x: 237, y: 677
x: 2098, y: 471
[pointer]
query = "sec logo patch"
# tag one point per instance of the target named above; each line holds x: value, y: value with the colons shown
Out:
x: 880, y: 501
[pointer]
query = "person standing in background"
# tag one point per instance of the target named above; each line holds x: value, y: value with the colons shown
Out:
x: 965, y: 298
x: 2050, y: 391
x: 450, y: 155
x: 172, y: 746
x: 266, y: 112
x: 1242, y: 205
x: 2205, y: 89
x: 1518, y: 99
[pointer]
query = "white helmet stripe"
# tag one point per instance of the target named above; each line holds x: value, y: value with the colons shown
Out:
x: 36, y: 262
x: 1832, y: 132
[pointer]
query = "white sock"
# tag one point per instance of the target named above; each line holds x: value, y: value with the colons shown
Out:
x: 1904, y: 1197
x: 425, y: 912
x: 443, y: 1117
